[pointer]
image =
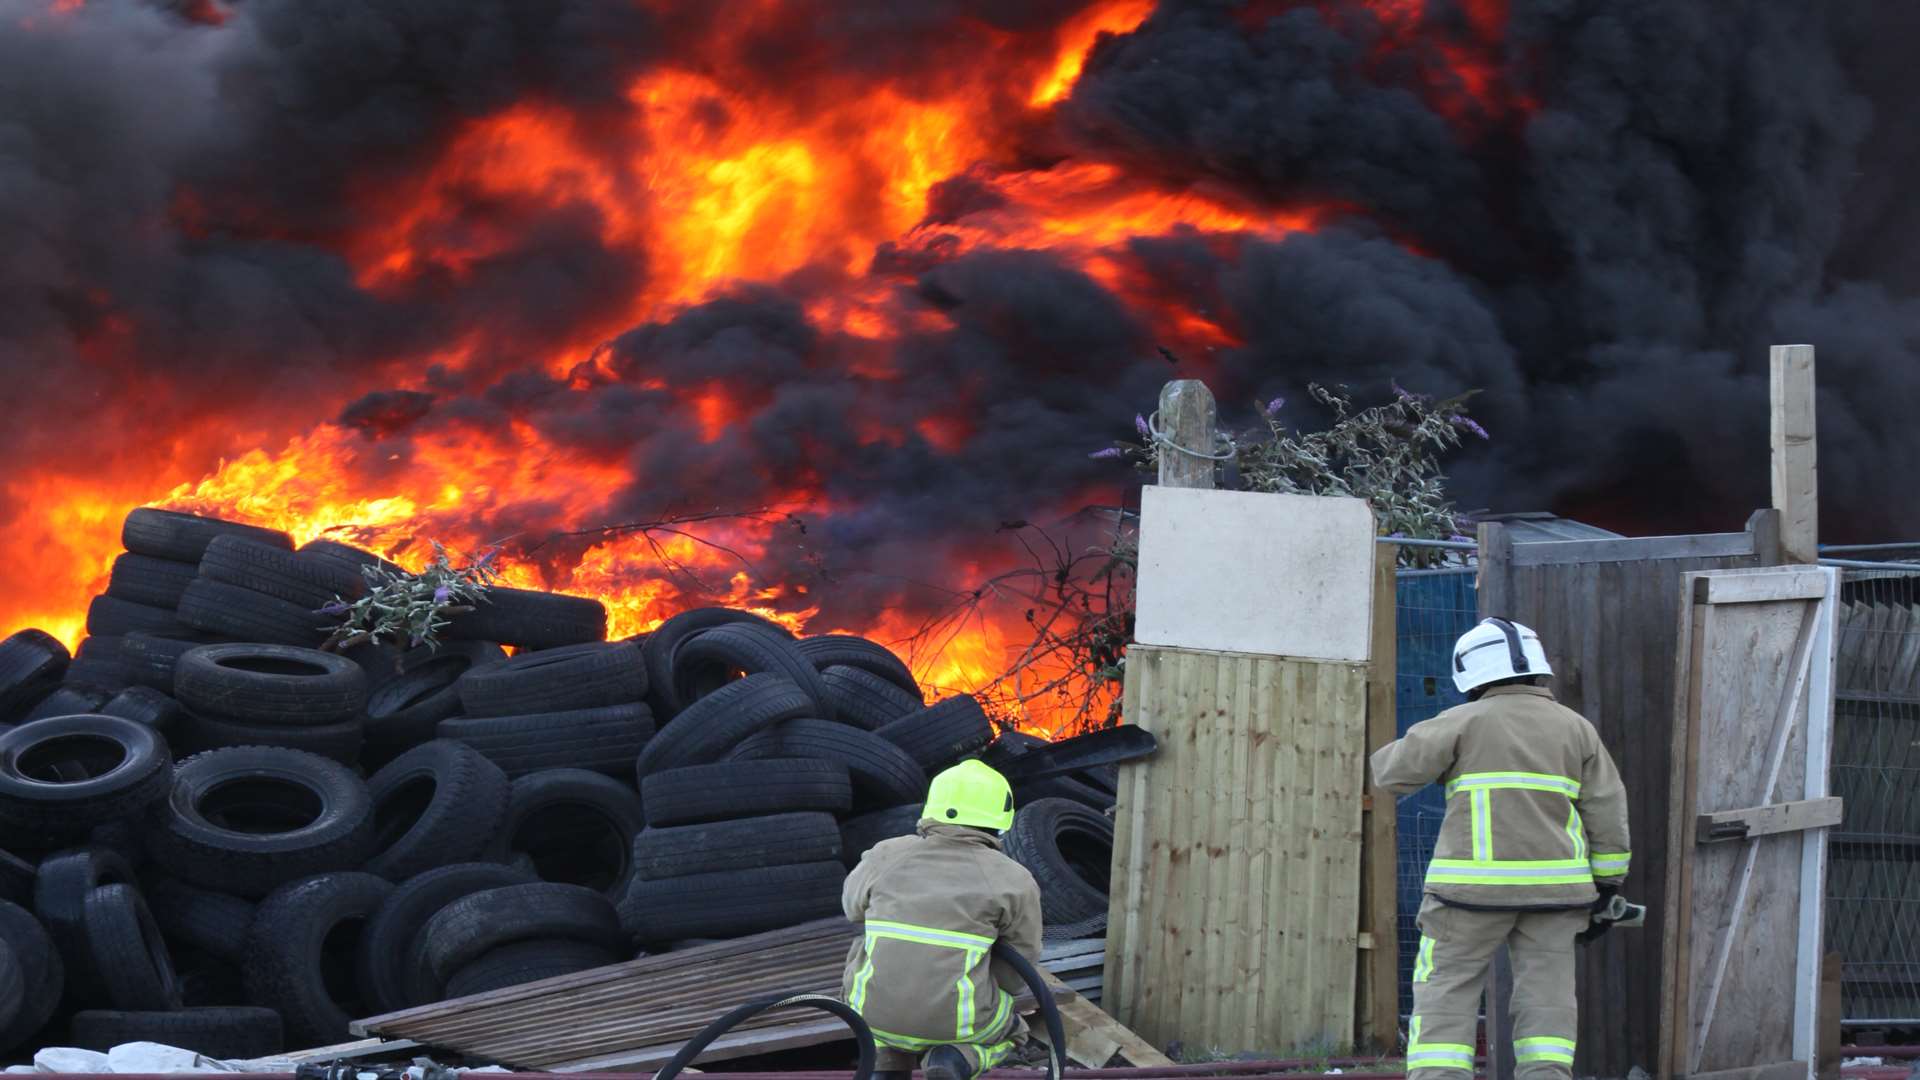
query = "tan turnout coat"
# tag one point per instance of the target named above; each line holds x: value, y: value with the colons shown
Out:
x: 933, y: 904
x: 1536, y: 813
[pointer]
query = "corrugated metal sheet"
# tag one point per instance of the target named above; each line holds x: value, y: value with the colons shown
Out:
x: 637, y: 1014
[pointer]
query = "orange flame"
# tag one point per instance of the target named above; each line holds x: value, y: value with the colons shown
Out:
x: 708, y: 180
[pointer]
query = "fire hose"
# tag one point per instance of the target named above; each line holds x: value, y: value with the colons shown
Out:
x: 862, y: 1034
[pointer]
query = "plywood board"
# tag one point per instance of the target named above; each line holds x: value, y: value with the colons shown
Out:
x: 1257, y: 573
x: 1236, y: 880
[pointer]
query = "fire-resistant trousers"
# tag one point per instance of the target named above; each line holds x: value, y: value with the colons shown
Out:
x: 981, y: 1055
x: 1456, y: 947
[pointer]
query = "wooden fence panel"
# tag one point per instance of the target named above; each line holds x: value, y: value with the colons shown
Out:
x: 1236, y: 902
x: 1753, y: 727
x: 1605, y: 611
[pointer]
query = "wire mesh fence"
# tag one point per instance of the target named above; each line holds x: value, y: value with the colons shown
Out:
x: 1431, y: 610
x: 1873, y: 867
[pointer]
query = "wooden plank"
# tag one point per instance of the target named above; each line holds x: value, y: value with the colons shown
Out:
x: 1765, y: 585
x: 1187, y: 419
x: 1726, y: 825
x: 1634, y: 549
x: 1796, y: 485
x: 1675, y: 990
x: 1379, y: 1007
x: 1093, y: 1037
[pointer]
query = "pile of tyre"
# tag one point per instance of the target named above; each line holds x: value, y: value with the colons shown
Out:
x: 220, y: 837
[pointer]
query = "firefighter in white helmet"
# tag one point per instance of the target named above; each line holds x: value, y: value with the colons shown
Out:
x: 1534, y: 842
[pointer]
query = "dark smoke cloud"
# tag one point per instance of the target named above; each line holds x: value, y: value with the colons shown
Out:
x: 1611, y: 277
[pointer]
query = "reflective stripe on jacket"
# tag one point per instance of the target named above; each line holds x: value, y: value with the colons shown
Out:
x: 1536, y: 813
x: 933, y: 905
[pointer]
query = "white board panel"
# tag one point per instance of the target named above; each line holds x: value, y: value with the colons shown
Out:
x: 1242, y: 571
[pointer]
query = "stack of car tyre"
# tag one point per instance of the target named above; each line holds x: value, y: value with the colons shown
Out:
x: 251, y: 842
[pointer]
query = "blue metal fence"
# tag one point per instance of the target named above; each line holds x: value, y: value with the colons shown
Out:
x: 1431, y: 611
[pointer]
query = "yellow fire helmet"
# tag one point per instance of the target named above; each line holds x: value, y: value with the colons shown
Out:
x: 971, y: 793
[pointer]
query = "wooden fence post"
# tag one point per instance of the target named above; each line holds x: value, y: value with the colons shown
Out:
x: 1188, y: 419
x: 1380, y: 905
x: 1796, y: 485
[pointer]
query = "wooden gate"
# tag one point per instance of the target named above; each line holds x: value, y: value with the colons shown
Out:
x: 1746, y: 842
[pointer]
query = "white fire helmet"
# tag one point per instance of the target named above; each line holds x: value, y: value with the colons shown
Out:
x: 1494, y: 650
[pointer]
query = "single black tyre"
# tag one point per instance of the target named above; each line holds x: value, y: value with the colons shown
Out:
x: 16, y: 879
x: 717, y: 657
x: 530, y: 620
x: 436, y: 804
x: 556, y: 680
x: 604, y: 740
x: 1062, y: 787
x: 706, y: 730
x: 404, y: 709
x: 1068, y: 848
x: 277, y: 572
x: 13, y: 985
x: 576, y: 826
x: 300, y: 958
x: 129, y: 953
x: 168, y: 534
x: 664, y: 643
x: 32, y: 663
x: 841, y: 650
x: 525, y: 962
x: 60, y: 892
x: 43, y: 976
x: 223, y: 1032
x: 392, y: 963
x: 732, y: 903
x: 155, y: 659
x: 101, y: 677
x: 239, y: 614
x: 145, y: 705
x: 270, y: 685
x: 866, y: 700
x: 941, y: 734
x: 745, y: 789
x: 470, y: 926
x: 249, y: 819
x: 348, y: 556
x: 336, y: 742
x: 67, y: 701
x: 62, y: 776
x: 143, y: 579
x: 859, y: 835
x: 108, y: 617
x: 776, y: 840
x: 883, y: 774
x: 211, y: 922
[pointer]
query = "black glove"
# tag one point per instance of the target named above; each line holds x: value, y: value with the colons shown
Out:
x: 1597, y: 926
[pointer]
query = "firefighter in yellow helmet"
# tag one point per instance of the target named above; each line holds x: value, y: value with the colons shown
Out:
x: 933, y: 905
x: 1533, y: 846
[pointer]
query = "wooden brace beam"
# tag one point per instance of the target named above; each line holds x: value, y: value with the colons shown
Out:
x: 1724, y: 825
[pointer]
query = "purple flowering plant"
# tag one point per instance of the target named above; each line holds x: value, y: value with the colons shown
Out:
x: 412, y: 608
